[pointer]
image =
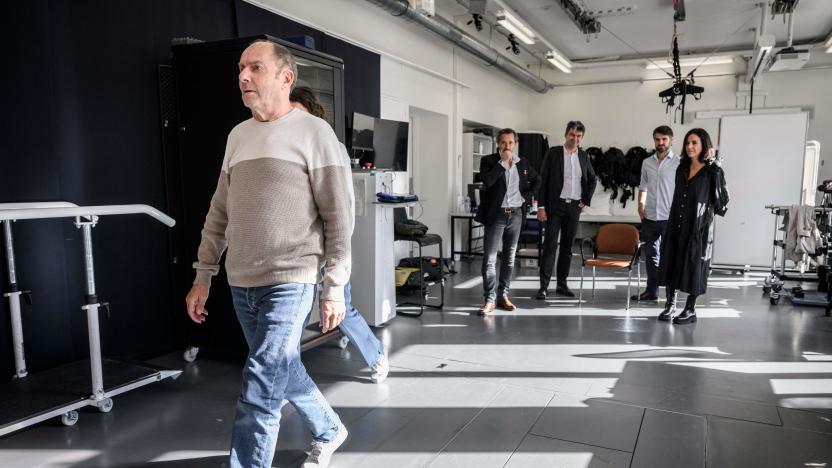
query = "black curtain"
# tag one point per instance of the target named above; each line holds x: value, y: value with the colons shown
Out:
x: 533, y: 147
x: 81, y: 123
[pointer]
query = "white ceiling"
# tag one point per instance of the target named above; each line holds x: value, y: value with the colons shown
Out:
x: 710, y: 24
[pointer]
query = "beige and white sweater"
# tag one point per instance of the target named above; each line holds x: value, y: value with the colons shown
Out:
x: 283, y: 207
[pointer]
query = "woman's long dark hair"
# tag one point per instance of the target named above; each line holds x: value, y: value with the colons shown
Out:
x: 306, y: 97
x: 704, y: 138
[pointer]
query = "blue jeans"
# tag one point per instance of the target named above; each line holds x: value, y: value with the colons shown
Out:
x: 272, y: 319
x: 359, y: 333
x: 501, y: 235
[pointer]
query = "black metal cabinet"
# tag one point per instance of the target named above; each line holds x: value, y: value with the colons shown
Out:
x: 207, y: 106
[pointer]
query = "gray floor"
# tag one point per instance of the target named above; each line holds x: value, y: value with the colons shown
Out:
x: 549, y: 385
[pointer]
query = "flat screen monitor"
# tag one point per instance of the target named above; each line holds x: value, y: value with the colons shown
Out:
x: 390, y: 144
x: 362, y: 132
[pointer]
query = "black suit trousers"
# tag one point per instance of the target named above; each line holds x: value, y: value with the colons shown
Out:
x: 561, y: 227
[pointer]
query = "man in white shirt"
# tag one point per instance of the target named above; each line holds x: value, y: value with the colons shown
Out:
x: 509, y: 183
x: 658, y: 180
x: 567, y: 185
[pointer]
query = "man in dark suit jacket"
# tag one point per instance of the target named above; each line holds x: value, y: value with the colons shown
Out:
x: 567, y: 185
x: 510, y: 183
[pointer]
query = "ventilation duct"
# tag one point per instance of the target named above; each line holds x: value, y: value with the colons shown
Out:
x: 449, y: 31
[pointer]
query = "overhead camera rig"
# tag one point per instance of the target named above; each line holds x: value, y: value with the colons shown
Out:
x: 585, y: 21
x: 682, y: 85
x: 781, y: 7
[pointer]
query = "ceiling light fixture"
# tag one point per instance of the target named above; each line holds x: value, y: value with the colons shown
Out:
x: 696, y: 61
x: 558, y: 61
x: 515, y: 26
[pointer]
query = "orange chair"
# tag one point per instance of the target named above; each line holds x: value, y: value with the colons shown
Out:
x: 618, y: 246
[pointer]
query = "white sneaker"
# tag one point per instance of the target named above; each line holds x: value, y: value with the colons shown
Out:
x: 380, y: 369
x: 321, y: 453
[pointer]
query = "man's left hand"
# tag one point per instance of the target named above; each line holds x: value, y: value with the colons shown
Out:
x: 581, y: 204
x: 332, y: 313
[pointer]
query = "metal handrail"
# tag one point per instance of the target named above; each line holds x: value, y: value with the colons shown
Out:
x: 85, y: 211
x: 21, y: 206
x: 784, y: 207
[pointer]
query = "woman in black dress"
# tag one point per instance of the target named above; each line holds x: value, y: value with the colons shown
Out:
x: 688, y: 246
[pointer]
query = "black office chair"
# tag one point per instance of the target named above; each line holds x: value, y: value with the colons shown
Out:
x: 426, y: 240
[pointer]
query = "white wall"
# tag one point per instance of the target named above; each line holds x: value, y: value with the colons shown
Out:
x: 624, y: 114
x: 493, y: 98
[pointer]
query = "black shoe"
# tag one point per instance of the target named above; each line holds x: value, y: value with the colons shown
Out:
x: 564, y: 291
x: 541, y: 295
x: 687, y: 316
x: 645, y: 296
x: 667, y: 313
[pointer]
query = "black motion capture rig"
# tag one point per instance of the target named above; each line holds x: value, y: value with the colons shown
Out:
x: 682, y: 86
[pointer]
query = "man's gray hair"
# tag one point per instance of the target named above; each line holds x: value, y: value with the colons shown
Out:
x: 283, y: 57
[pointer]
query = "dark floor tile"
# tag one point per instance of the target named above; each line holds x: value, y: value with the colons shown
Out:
x: 494, y: 434
x: 590, y: 421
x: 808, y: 420
x: 742, y: 444
x: 670, y: 439
x: 543, y: 452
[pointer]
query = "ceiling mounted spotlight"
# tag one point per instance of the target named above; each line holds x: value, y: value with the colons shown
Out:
x: 513, y: 45
x: 477, y: 20
x: 582, y: 18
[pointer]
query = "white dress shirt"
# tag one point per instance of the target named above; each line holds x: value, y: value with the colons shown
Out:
x: 571, y: 175
x: 658, y: 179
x: 513, y: 198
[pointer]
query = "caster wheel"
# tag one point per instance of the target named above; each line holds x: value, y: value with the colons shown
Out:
x: 106, y: 405
x: 774, y: 300
x: 343, y: 342
x: 190, y: 354
x: 69, y: 418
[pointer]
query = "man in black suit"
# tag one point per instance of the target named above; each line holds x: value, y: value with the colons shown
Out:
x: 567, y: 185
x: 510, y: 183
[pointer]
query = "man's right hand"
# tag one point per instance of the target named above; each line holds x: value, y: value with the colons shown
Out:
x: 195, y: 301
x: 332, y: 313
x: 541, y: 214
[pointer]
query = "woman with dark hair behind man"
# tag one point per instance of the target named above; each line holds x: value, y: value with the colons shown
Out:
x: 353, y: 326
x: 687, y: 251
x: 307, y: 99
